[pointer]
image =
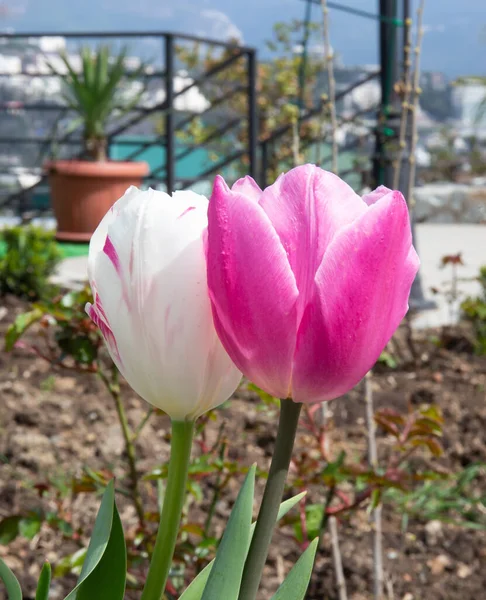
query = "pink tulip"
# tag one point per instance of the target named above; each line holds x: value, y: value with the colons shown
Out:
x: 308, y: 281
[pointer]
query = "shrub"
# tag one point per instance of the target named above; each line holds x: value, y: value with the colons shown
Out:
x: 474, y: 309
x: 31, y: 257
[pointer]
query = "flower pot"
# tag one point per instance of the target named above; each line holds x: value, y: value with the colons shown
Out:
x: 82, y: 192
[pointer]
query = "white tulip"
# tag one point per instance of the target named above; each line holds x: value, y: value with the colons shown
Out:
x: 147, y: 270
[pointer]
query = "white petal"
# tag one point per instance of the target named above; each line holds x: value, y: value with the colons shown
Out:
x: 149, y: 271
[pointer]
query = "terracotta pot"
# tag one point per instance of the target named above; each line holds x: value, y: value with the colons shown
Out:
x: 82, y: 193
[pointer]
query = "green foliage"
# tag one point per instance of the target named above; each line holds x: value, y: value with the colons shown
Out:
x: 104, y: 568
x: 196, y: 587
x: 282, y: 93
x: 386, y: 358
x: 22, y: 322
x: 295, y: 585
x: 9, y: 529
x: 31, y: 257
x: 225, y: 576
x: 451, y: 499
x: 419, y: 429
x: 28, y: 525
x: 14, y: 591
x: 76, y: 336
x: 44, y: 583
x: 474, y: 309
x: 313, y: 521
x: 97, y: 93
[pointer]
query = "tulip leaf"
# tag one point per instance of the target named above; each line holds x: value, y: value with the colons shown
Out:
x: 196, y: 588
x: 108, y: 579
x: 44, y: 583
x: 295, y: 585
x: 225, y: 576
x: 14, y: 591
x: 104, y: 569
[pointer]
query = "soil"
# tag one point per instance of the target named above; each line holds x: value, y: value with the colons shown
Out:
x: 54, y: 423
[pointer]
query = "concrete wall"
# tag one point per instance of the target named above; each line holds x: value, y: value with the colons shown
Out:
x: 451, y: 203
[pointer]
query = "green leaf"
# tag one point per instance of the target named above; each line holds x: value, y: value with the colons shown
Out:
x: 30, y: 526
x: 225, y: 576
x: 9, y: 529
x: 72, y: 563
x: 108, y: 579
x: 44, y: 583
x: 295, y: 585
x: 14, y: 591
x: 20, y: 325
x: 106, y: 556
x: 196, y: 588
x: 313, y: 520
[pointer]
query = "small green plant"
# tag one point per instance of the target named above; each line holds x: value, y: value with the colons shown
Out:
x: 97, y: 93
x: 474, y: 309
x: 451, y: 499
x: 31, y: 257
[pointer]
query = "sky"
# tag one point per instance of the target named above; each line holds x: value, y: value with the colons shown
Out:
x: 454, y: 40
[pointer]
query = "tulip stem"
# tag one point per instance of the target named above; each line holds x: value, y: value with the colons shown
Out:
x: 170, y: 516
x: 272, y: 497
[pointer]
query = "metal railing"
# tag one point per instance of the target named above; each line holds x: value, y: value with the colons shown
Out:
x: 316, y: 112
x: 164, y: 174
x: 169, y: 172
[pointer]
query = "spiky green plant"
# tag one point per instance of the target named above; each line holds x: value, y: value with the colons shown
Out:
x: 95, y: 94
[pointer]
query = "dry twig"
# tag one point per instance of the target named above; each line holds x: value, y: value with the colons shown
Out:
x: 336, y: 555
x: 378, y: 577
x: 332, y: 86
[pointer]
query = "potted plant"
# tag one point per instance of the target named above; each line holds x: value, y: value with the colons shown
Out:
x: 83, y: 189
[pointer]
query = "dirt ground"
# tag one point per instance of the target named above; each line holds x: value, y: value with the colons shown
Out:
x: 52, y: 423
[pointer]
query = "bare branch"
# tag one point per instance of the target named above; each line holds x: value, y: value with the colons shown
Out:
x: 406, y: 91
x: 336, y: 555
x: 415, y: 104
x: 332, y: 86
x: 378, y: 577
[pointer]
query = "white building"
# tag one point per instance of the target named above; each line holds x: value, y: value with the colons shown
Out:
x: 467, y: 99
x: 10, y: 65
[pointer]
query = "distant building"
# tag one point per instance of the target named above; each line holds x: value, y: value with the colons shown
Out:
x: 363, y: 98
x: 469, y: 102
x: 436, y: 96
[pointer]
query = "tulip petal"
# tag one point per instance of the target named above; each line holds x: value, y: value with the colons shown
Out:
x: 375, y: 195
x: 308, y: 206
x: 252, y: 289
x: 248, y: 187
x: 150, y: 276
x: 360, y: 296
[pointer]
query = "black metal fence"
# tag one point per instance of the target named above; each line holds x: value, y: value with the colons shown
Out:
x: 30, y: 131
x: 154, y: 129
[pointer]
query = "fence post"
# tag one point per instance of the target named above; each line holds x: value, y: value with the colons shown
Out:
x: 169, y: 115
x: 264, y: 164
x: 252, y: 113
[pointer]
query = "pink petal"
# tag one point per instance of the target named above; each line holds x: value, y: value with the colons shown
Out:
x: 375, y: 195
x: 252, y: 289
x: 97, y: 315
x: 248, y: 187
x: 308, y: 206
x: 360, y: 297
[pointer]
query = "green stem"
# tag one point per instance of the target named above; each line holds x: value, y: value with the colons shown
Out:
x: 272, y: 497
x: 170, y: 517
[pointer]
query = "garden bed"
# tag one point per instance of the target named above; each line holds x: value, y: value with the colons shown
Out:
x: 54, y: 423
